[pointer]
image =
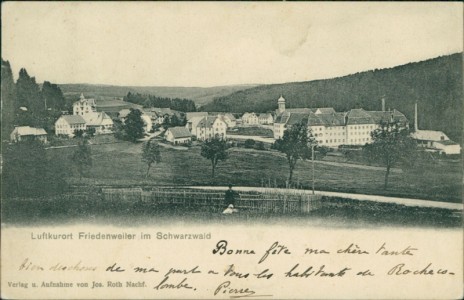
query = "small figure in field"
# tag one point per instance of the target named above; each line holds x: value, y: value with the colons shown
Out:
x: 229, y: 198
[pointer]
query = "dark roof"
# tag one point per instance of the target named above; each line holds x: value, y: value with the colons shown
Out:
x: 73, y: 119
x: 180, y: 132
x: 326, y: 110
x: 207, y: 121
x: 447, y: 143
x: 296, y: 118
x: 359, y: 116
x: 332, y: 119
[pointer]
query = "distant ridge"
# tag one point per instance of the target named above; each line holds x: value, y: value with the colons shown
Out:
x: 201, y: 95
x: 436, y: 85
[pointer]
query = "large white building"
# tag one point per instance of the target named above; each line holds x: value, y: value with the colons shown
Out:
x: 84, y: 106
x: 68, y: 124
x: 331, y: 128
x: 209, y: 127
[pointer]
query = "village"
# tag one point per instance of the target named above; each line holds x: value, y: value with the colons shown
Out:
x: 329, y: 128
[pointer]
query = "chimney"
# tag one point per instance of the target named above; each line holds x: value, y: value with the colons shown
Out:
x: 416, y: 125
x: 383, y: 103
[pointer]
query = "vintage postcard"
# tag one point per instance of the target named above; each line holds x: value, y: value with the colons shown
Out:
x: 162, y: 150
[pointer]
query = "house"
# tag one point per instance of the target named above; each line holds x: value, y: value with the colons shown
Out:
x: 432, y: 140
x: 210, y: 127
x: 229, y: 119
x: 27, y: 133
x: 68, y: 124
x: 250, y: 119
x: 84, y: 106
x: 331, y: 128
x: 178, y: 135
x: 193, y: 123
x: 102, y: 123
x: 436, y: 141
x: 265, y: 119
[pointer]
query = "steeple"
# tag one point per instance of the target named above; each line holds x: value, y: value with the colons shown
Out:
x: 281, y: 104
x: 82, y: 96
x: 416, y: 123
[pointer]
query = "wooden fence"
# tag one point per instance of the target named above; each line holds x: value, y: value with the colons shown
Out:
x: 269, y: 201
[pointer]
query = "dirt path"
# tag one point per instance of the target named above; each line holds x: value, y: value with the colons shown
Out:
x: 360, y: 197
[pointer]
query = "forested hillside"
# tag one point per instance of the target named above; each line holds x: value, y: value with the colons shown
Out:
x: 435, y: 84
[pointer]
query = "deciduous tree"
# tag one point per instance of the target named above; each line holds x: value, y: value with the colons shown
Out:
x: 215, y: 150
x: 134, y: 125
x: 391, y: 144
x: 295, y: 144
x: 151, y: 154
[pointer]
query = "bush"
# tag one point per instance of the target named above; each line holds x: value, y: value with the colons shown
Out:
x: 249, y: 143
x: 259, y: 146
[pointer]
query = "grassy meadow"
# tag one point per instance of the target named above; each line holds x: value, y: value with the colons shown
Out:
x: 121, y: 164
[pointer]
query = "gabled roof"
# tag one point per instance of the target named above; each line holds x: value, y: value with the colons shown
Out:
x: 73, y: 119
x: 27, y: 130
x: 332, y: 119
x: 89, y: 101
x: 429, y: 135
x: 265, y: 115
x: 163, y: 110
x: 387, y: 116
x: 179, y: 132
x: 359, y: 116
x: 96, y: 118
x: 325, y: 110
x: 298, y: 110
x: 230, y: 116
x: 296, y: 118
x: 190, y: 115
x: 124, y: 112
x: 207, y: 121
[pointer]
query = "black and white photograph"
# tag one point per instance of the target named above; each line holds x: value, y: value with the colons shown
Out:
x: 265, y: 150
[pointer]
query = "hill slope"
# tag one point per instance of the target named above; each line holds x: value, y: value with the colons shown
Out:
x: 435, y: 84
x: 201, y: 96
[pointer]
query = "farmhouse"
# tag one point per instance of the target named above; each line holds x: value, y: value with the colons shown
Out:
x: 26, y: 133
x: 178, y: 135
x: 331, y: 128
x: 250, y: 119
x: 102, y: 123
x: 193, y: 123
x: 265, y: 119
x: 210, y: 127
x: 436, y: 141
x: 68, y: 124
x: 84, y: 106
x: 230, y: 120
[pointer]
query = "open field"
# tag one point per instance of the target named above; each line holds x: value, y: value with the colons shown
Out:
x: 121, y: 164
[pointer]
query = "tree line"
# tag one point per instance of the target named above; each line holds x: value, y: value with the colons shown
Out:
x: 435, y: 84
x: 184, y: 105
x: 25, y: 103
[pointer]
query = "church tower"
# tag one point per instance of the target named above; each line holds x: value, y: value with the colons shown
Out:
x: 281, y: 103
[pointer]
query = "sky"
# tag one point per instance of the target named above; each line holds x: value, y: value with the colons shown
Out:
x: 211, y: 44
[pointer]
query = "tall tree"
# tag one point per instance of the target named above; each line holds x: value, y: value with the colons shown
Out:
x: 150, y: 154
x: 82, y: 157
x: 295, y: 144
x: 215, y: 150
x: 8, y: 100
x: 53, y: 96
x: 29, y: 96
x: 134, y: 125
x: 391, y: 144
